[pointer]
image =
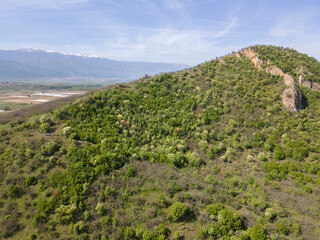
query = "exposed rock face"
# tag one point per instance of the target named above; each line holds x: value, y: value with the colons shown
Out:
x: 275, y: 71
x: 237, y: 55
x: 291, y: 96
x: 316, y: 86
x: 308, y: 84
x: 258, y: 63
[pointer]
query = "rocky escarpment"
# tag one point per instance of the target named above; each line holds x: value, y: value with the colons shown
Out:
x: 291, y: 96
x: 308, y: 84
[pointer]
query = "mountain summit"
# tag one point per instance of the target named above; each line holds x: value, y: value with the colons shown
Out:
x: 228, y: 149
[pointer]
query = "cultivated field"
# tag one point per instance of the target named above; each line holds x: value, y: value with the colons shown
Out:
x: 17, y: 100
x: 20, y: 100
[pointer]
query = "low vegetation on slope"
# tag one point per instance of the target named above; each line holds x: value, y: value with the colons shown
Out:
x: 205, y: 153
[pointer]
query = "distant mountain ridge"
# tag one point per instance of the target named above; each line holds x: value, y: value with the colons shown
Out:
x: 34, y: 64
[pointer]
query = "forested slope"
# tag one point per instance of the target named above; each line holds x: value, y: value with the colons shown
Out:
x: 211, y: 152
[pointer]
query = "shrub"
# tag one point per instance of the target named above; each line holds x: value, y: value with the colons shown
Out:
x: 261, y: 157
x: 278, y: 153
x: 163, y: 231
x: 50, y: 148
x: 270, y: 143
x: 250, y: 158
x: 65, y: 213
x: 101, y: 209
x: 214, y: 209
x: 203, y: 144
x: 79, y: 227
x: 193, y: 159
x: 38, y: 218
x: 31, y: 180
x: 270, y: 214
x: 14, y: 191
x: 44, y: 127
x: 109, y: 191
x: 282, y: 228
x: 258, y: 232
x: 131, y: 172
x: 86, y: 215
x: 176, y: 236
x: 66, y: 131
x: 44, y: 119
x: 230, y: 220
x: 178, y: 211
x: 29, y: 153
x: 178, y: 160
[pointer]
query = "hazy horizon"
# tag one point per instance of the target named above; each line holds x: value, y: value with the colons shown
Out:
x: 171, y: 31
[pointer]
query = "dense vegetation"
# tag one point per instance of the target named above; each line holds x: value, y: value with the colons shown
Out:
x: 205, y: 153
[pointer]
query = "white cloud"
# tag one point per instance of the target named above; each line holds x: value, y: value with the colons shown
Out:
x: 16, y: 4
x: 168, y: 45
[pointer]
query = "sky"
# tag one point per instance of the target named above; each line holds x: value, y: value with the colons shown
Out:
x: 171, y: 31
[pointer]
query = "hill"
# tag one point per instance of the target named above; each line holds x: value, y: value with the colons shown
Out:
x: 36, y: 65
x: 228, y: 149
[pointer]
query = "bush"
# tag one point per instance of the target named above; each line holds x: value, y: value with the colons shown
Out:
x: 258, y: 232
x: 250, y: 158
x: 65, y: 213
x: 278, y: 153
x: 282, y: 228
x: 262, y: 157
x: 178, y: 211
x: 14, y: 191
x: 66, y: 131
x: 203, y: 144
x: 193, y: 159
x: 270, y: 214
x: 230, y: 220
x: 44, y: 127
x: 79, y: 227
x: 31, y: 180
x: 131, y: 172
x: 50, y: 148
x: 44, y: 119
x: 162, y: 231
x: 101, y: 209
x: 214, y: 209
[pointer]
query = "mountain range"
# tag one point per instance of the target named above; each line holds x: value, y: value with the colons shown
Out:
x: 39, y: 65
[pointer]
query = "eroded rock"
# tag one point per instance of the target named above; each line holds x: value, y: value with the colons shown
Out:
x: 292, y: 99
x: 308, y: 84
x: 274, y: 71
x: 258, y: 63
x: 291, y: 96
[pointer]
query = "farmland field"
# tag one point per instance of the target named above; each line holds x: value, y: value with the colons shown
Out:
x: 15, y: 96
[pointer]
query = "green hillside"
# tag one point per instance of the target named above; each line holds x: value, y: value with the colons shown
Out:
x: 226, y: 150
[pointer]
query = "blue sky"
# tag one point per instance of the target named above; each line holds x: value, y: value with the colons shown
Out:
x: 175, y: 31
